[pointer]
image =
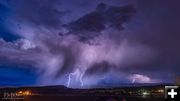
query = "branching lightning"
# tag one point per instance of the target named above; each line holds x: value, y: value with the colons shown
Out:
x: 75, y: 77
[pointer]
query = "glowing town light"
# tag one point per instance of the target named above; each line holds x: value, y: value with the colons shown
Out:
x: 25, y: 93
x: 144, y: 93
x: 161, y: 91
x: 20, y: 92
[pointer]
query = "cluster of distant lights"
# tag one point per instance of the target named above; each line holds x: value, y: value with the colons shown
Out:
x: 24, y: 93
x: 142, y: 92
x: 146, y: 93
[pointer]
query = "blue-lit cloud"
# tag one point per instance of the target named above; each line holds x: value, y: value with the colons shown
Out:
x: 104, y: 44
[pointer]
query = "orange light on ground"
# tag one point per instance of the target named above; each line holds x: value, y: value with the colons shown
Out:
x: 161, y: 91
x: 20, y: 92
x: 25, y: 93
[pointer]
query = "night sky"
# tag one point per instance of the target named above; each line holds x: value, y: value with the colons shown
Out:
x: 89, y: 43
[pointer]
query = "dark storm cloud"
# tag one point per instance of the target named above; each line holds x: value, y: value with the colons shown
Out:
x: 156, y: 25
x: 58, y: 57
x: 137, y: 42
x: 92, y: 24
x: 70, y: 54
x: 98, y: 68
x: 40, y: 13
x: 4, y: 32
x: 15, y: 52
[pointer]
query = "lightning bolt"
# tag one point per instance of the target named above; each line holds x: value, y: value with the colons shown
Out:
x: 133, y: 81
x: 69, y: 80
x: 81, y: 76
x: 77, y: 76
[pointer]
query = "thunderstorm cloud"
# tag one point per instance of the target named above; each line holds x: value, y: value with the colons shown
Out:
x: 90, y: 43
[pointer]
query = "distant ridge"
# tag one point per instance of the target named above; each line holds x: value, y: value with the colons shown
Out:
x: 133, y: 85
x: 92, y: 87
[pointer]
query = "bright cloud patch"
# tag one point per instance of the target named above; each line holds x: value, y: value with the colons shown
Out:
x: 25, y: 44
x: 138, y: 78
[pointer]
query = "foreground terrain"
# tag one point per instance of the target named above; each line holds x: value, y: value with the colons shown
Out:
x: 61, y: 93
